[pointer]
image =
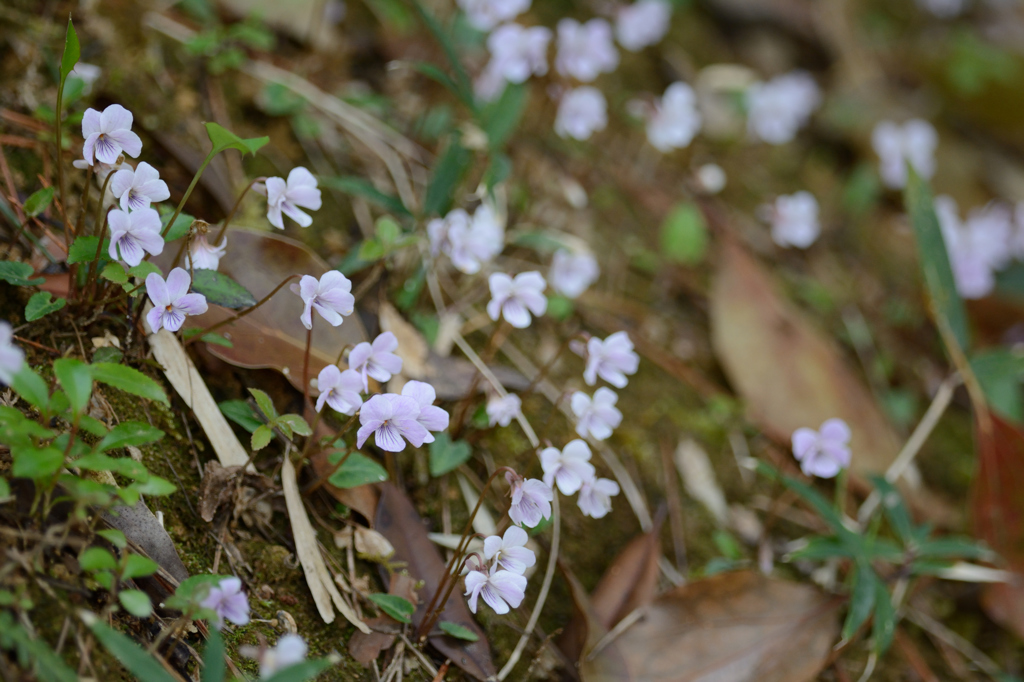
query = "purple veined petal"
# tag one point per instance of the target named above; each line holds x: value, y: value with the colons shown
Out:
x: 274, y: 216
x: 306, y: 197
x: 376, y: 410
x: 413, y: 431
x: 433, y: 418
x: 351, y: 381
x: 500, y: 285
x: 115, y: 117
x: 106, y: 149
x: 155, y: 190
x: 119, y: 223
x: 345, y: 402
x: 192, y: 304
x: 517, y: 559
x: 536, y: 302
x: 134, y: 200
x: 835, y: 430
x: 237, y: 609
x: 804, y: 440
x: 475, y: 581
x: 322, y: 398
x: 568, y: 481
x: 129, y: 249
x: 293, y: 212
x: 173, y: 319
x: 121, y: 183
x: 274, y: 189
x: 127, y: 141
x: 516, y: 314
x: 90, y: 122
x: 178, y: 282
x: 387, y: 437
x: 493, y: 599
x: 156, y: 288
x: 155, y: 318
x: 307, y: 287
x: 338, y: 300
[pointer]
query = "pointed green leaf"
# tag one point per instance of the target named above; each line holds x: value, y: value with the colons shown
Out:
x: 114, y: 537
x: 136, y: 602
x: 265, y: 404
x: 31, y: 387
x: 39, y: 201
x: 399, y: 608
x: 137, y: 566
x: 295, y: 423
x: 129, y: 380
x: 96, y: 559
x: 357, y: 470
x: 129, y: 433
x: 458, y: 631
x: 42, y: 304
x: 72, y: 52
x: 156, y: 487
x: 132, y: 656
x: 36, y: 463
x: 501, y: 117
x: 144, y: 270
x: 76, y: 380
x: 241, y: 413
x: 221, y: 138
x: 448, y: 172
x: 221, y: 290
x: 18, y: 274
x: 884, y: 627
x: 213, y: 658
x: 113, y: 272
x: 180, y: 228
x: 862, y: 601
x: 261, y: 437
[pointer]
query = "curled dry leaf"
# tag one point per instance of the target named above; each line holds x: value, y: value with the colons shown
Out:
x: 368, y: 543
x: 740, y: 627
x: 216, y: 488
x: 365, y: 647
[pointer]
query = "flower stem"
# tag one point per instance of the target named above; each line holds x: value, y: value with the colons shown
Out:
x: 459, y: 413
x: 60, y: 162
x: 188, y: 192
x: 241, y: 314
x: 305, y: 363
x: 234, y: 209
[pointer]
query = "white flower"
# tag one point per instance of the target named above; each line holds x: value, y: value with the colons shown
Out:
x: 531, y: 500
x: 914, y: 142
x: 11, y: 357
x: 497, y: 588
x: 108, y: 134
x: 132, y: 234
x: 779, y: 108
x: 517, y: 53
x: 794, y: 220
x: 503, y: 410
x: 943, y: 9
x: 572, y: 273
x: 339, y: 389
x: 582, y: 112
x: 611, y: 359
x: 675, y: 119
x: 567, y: 468
x: 484, y: 15
x: 286, y: 197
x: 469, y: 242
x: 509, y: 553
x: 139, y: 188
x: 977, y: 247
x: 515, y: 299
x: 596, y: 416
x: 595, y: 498
x: 711, y: 178
x: 204, y: 256
x: 330, y: 296
x: 642, y: 24
x: 585, y: 50
x: 290, y: 650
x: 171, y: 300
x: 431, y: 417
x: 376, y: 360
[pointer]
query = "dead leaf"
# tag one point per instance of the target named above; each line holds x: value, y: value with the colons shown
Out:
x: 398, y: 521
x: 585, y: 631
x: 368, y: 543
x: 735, y: 626
x: 699, y: 478
x: 141, y: 526
x: 367, y: 647
x: 216, y: 488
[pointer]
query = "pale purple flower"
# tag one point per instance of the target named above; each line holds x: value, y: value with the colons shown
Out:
x: 339, y: 389
x: 503, y: 410
x: 914, y: 142
x: 376, y: 360
x: 470, y: 242
x: 977, y: 247
x: 331, y: 296
x: 596, y: 416
x: 202, y: 255
x: 531, y: 500
x: 642, y: 24
x: 139, y: 187
x: 675, y: 119
x: 595, y: 498
x: 514, y: 299
x: 572, y: 273
x: 585, y: 50
x: 171, y: 300
x: 391, y: 418
x: 776, y: 110
x: 823, y: 453
x: 431, y: 417
x: 509, y: 552
x: 133, y: 234
x: 228, y: 601
x: 794, y: 219
x: 88, y: 74
x: 567, y: 468
x: 11, y: 357
x: 108, y: 134
x: 484, y: 15
x: 497, y: 588
x: 517, y: 52
x: 290, y: 650
x: 611, y: 359
x: 581, y: 112
x: 287, y: 197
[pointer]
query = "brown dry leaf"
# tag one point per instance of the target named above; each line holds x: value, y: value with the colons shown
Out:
x: 141, y: 527
x: 367, y: 647
x: 585, y: 631
x: 272, y: 336
x: 735, y: 626
x: 398, y: 521
x: 216, y: 488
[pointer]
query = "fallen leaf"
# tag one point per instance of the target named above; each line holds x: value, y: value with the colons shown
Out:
x: 398, y: 521
x: 216, y: 488
x: 699, y: 478
x: 366, y: 647
x: 735, y: 626
x: 585, y: 631
x: 141, y: 526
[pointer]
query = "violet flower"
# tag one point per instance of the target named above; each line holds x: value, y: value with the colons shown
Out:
x: 228, y: 601
x: 339, y: 389
x: 139, y: 187
x: 572, y: 273
x: 300, y: 190
x: 11, y: 357
x: 595, y: 498
x: 585, y: 50
x: 611, y: 359
x: 483, y: 15
x: 376, y: 360
x: 581, y: 112
x: 675, y: 119
x: 290, y: 650
x: 331, y: 296
x: 515, y: 298
x: 500, y: 589
x: 202, y: 255
x: 133, y: 234
x: 531, y: 500
x: 978, y: 246
x: 509, y: 552
x: 391, y: 418
x: 794, y: 220
x: 171, y: 300
x: 825, y: 452
x: 470, y: 242
x: 567, y: 468
x: 642, y: 24
x: 517, y: 52
x: 776, y: 110
x: 503, y: 410
x: 431, y: 417
x: 913, y: 142
x: 108, y: 134
x: 596, y: 416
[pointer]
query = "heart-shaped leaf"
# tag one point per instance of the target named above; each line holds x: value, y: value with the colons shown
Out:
x: 18, y: 274
x: 446, y: 455
x: 357, y: 470
x: 38, y: 201
x: 42, y: 304
x: 222, y: 139
x: 221, y: 290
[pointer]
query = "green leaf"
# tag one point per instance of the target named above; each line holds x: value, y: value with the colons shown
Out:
x: 42, y: 304
x: 221, y: 138
x: 953, y: 548
x: 265, y: 404
x: 999, y: 371
x: 137, y: 566
x: 446, y: 455
x: 300, y: 672
x: 399, y: 608
x: 39, y: 201
x: 357, y: 470
x: 144, y: 270
x: 180, y: 228
x: 221, y: 290
x: 388, y: 231
x: 371, y: 250
x: 818, y: 548
x: 72, y: 52
x: 458, y: 631
x: 113, y: 272
x: 129, y: 380
x: 114, y: 537
x: 107, y: 354
x: 156, y: 487
x: 36, y: 463
x: 934, y: 259
x: 295, y: 423
x: 499, y: 120
x: 884, y: 626
x: 76, y: 380
x: 213, y: 658
x: 448, y: 173
x: 31, y: 387
x: 241, y: 413
x: 361, y: 187
x: 5, y: 489
x: 862, y: 601
x: 136, y: 602
x: 261, y: 437
x: 895, y: 509
x: 129, y: 433
x: 124, y: 466
x: 83, y: 249
x: 97, y: 559
x: 133, y: 657
x: 92, y: 425
x: 461, y: 80
x: 434, y: 73
x: 684, y: 234
x: 18, y: 274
